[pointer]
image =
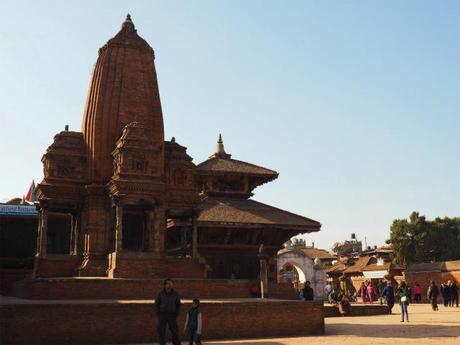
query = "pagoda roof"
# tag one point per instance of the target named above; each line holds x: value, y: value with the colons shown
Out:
x: 221, y: 165
x: 230, y: 212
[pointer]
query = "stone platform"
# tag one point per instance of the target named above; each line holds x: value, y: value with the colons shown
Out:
x: 140, y: 289
x: 127, y: 321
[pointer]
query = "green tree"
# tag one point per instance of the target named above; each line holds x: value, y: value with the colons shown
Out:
x: 298, y: 243
x: 419, y: 240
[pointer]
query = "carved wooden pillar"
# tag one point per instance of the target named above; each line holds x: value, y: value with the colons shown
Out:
x: 39, y: 235
x: 263, y: 257
x: 74, y: 234
x: 158, y: 233
x: 194, y: 238
x: 150, y: 228
x: 119, y: 228
x: 43, y: 232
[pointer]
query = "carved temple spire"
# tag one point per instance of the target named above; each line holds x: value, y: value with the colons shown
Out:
x: 220, y: 150
x: 124, y: 88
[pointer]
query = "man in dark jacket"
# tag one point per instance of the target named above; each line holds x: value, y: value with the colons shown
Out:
x: 389, y: 294
x: 308, y: 292
x: 167, y: 307
x: 432, y: 295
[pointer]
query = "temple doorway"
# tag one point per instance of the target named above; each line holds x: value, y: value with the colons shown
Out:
x: 133, y: 238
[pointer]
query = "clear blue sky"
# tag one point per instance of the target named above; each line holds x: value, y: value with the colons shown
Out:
x: 355, y: 103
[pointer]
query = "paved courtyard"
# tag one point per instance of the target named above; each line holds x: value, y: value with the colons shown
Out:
x: 425, y: 327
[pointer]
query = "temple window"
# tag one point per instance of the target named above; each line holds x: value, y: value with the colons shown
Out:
x: 58, y: 233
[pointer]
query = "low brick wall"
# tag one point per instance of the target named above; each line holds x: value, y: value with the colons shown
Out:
x: 9, y: 276
x: 123, y: 323
x: 106, y: 288
x: 357, y: 310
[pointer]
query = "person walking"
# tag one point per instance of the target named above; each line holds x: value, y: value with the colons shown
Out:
x: 445, y: 294
x: 167, y: 305
x: 453, y: 289
x: 193, y: 323
x: 370, y: 293
x: 417, y: 293
x: 388, y: 294
x: 380, y: 287
x: 404, y: 293
x: 363, y: 292
x: 432, y: 295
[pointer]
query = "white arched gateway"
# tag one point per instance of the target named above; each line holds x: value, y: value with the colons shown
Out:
x: 298, y: 265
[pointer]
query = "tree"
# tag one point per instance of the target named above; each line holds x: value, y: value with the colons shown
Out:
x: 420, y: 240
x: 298, y: 243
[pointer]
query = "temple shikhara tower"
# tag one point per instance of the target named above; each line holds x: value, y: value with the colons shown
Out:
x: 118, y: 201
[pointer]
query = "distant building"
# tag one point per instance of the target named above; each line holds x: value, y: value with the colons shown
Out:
x: 372, y: 265
x: 348, y: 248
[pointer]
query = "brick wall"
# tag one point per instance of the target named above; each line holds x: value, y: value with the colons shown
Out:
x: 423, y: 278
x: 137, y: 267
x: 105, y: 288
x: 9, y: 276
x: 117, y: 323
x: 57, y: 265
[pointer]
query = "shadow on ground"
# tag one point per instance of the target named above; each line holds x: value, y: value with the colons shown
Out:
x: 406, y: 330
x: 242, y: 342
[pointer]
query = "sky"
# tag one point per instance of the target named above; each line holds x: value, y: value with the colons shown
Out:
x: 355, y: 103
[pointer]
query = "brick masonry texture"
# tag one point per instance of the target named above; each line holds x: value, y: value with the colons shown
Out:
x: 121, y: 323
x: 105, y: 288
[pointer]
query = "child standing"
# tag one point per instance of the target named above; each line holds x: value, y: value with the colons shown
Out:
x: 193, y: 323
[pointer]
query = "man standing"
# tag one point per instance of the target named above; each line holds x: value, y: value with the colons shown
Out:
x: 308, y: 292
x: 167, y: 307
x: 432, y: 295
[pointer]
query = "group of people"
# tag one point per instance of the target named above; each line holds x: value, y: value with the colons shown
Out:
x: 337, y: 297
x: 385, y: 292
x: 167, y: 307
x: 448, y: 291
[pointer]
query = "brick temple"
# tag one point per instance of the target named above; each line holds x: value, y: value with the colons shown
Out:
x: 118, y: 201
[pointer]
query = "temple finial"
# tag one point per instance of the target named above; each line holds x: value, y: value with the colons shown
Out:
x: 128, y: 23
x: 220, y: 151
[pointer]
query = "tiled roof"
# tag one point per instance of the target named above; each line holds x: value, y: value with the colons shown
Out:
x: 441, y: 266
x: 235, y: 166
x: 313, y: 253
x: 358, y: 265
x: 252, y: 212
x: 338, y: 267
x: 451, y: 266
x: 375, y: 267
